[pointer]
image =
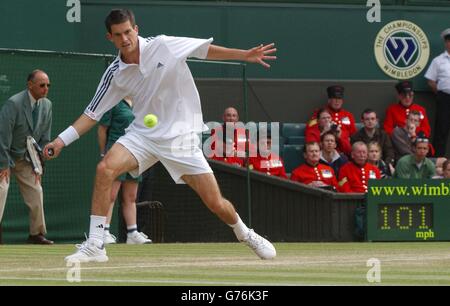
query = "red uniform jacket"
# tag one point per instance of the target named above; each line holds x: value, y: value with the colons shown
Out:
x: 343, y: 118
x: 233, y: 160
x: 353, y: 178
x: 271, y: 165
x: 343, y: 143
x: 307, y: 174
x: 239, y: 137
x: 396, y: 115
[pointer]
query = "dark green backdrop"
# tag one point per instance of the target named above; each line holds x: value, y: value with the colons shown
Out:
x: 315, y: 41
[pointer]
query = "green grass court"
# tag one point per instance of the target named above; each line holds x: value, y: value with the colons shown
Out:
x: 229, y: 264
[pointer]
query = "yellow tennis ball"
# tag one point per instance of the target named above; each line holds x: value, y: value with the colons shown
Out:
x: 150, y: 120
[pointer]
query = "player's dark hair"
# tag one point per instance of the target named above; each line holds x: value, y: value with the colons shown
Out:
x: 118, y: 16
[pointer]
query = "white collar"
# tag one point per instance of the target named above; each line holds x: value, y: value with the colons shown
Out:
x: 32, y: 99
x: 142, y: 43
x: 335, y: 157
x: 420, y: 164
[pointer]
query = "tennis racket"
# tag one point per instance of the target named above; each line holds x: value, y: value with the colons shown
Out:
x: 35, y: 156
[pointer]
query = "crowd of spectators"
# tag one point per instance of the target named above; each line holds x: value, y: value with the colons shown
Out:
x: 341, y: 158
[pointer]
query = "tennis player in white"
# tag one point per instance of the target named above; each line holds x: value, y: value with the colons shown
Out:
x: 154, y: 72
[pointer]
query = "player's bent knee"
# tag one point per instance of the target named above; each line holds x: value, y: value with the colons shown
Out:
x: 105, y: 172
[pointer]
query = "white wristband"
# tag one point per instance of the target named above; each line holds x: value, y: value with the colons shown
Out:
x: 69, y: 135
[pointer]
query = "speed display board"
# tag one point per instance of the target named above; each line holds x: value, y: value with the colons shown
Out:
x: 408, y: 210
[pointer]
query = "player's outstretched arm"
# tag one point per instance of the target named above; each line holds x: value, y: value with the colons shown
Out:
x: 72, y: 133
x: 259, y: 54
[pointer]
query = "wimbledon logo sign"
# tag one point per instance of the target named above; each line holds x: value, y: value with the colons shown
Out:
x: 402, y: 49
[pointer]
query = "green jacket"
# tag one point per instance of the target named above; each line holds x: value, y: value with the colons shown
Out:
x: 407, y: 169
x: 117, y: 120
x: 16, y: 123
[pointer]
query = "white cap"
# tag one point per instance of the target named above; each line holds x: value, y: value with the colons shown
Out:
x: 445, y: 33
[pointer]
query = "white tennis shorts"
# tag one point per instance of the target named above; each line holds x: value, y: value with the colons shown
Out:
x: 180, y: 156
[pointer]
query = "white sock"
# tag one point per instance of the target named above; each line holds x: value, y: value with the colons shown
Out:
x: 240, y: 229
x: 131, y: 229
x: 107, y: 226
x: 97, y: 230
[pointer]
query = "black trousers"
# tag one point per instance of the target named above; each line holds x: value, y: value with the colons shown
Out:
x: 442, y: 127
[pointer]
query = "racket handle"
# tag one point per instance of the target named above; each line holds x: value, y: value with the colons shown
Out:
x: 50, y: 152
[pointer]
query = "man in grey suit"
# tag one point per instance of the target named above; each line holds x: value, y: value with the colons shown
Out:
x: 28, y: 113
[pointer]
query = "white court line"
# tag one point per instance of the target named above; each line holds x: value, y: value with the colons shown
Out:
x: 152, y: 281
x: 184, y: 282
x: 211, y: 264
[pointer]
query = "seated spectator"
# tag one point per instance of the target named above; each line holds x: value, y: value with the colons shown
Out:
x: 354, y: 175
x: 230, y: 119
x: 329, y: 156
x: 266, y: 161
x: 325, y: 124
x: 230, y: 114
x: 446, y: 169
x: 397, y: 113
x: 374, y: 149
x: 371, y: 132
x: 403, y: 138
x: 341, y: 117
x: 230, y: 155
x: 440, y: 167
x: 417, y: 165
x: 312, y: 172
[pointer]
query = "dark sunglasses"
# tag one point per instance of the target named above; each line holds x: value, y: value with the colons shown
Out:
x: 43, y: 85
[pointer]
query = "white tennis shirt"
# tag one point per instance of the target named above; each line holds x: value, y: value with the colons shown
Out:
x: 439, y: 71
x: 161, y: 84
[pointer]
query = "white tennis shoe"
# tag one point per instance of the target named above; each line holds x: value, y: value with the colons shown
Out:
x: 88, y: 252
x: 109, y: 238
x: 138, y: 238
x: 261, y: 246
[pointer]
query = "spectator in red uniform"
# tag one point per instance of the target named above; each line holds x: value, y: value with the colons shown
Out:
x: 267, y: 161
x: 397, y: 113
x: 230, y: 119
x: 230, y: 155
x: 354, y: 176
x: 326, y: 124
x: 341, y: 117
x: 312, y: 172
x: 230, y: 114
